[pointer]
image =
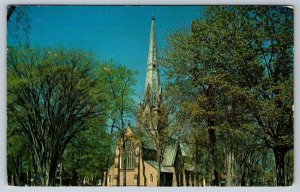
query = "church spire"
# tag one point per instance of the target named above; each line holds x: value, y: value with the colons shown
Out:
x: 152, y: 74
x: 152, y: 44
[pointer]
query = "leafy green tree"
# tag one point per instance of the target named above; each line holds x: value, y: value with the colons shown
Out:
x: 116, y: 85
x: 50, y: 99
x: 231, y: 52
x: 88, y: 162
x: 257, y: 47
x: 18, y: 161
x: 273, y: 98
x: 196, y: 83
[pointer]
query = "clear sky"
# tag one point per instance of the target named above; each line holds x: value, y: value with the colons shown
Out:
x: 120, y: 33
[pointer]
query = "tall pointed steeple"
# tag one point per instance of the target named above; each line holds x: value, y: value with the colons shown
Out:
x: 152, y: 84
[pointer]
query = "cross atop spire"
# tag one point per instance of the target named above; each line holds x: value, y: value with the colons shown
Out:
x: 152, y: 75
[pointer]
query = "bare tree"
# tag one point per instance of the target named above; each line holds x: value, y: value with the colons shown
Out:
x: 19, y: 26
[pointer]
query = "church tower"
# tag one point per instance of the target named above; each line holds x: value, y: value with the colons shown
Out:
x: 143, y: 146
x: 152, y: 90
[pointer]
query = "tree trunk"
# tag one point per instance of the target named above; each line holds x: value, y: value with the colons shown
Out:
x: 159, y: 159
x: 143, y: 162
x: 197, y: 163
x: 119, y: 168
x: 138, y: 182
x: 74, y: 177
x: 243, y: 179
x: 52, y: 171
x: 60, y: 174
x: 229, y: 162
x: 106, y: 175
x: 45, y: 166
x: 108, y: 157
x: 212, y: 155
x: 197, y: 179
x: 158, y: 174
x: 279, y: 158
x: 42, y: 170
x: 17, y: 167
x: 29, y: 175
x: 43, y: 174
x: 79, y: 179
x: 144, y: 172
x: 124, y: 160
x: 12, y: 179
x: 16, y: 180
x: 124, y: 152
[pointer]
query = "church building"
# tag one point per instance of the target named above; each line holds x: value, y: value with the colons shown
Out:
x: 142, y: 142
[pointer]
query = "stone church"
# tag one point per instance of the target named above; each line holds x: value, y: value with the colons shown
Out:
x: 141, y: 146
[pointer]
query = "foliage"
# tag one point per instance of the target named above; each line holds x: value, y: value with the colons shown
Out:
x: 50, y: 99
x: 236, y: 82
x: 116, y: 83
x: 86, y: 156
x: 229, y: 97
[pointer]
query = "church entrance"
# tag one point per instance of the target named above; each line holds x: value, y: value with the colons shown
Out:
x: 166, y: 179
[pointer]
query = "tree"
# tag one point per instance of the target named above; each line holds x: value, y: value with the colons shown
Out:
x: 50, y: 97
x: 229, y: 51
x: 18, y: 158
x: 116, y: 83
x: 89, y: 162
x: 18, y: 24
x: 10, y: 10
x: 273, y: 103
x: 196, y: 83
x: 160, y: 124
x: 256, y: 46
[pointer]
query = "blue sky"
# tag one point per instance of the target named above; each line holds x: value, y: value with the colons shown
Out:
x: 120, y: 33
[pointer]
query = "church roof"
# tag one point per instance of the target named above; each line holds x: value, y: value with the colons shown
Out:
x: 148, y: 143
x: 185, y: 149
x: 170, y: 155
x: 170, y: 151
x: 163, y: 168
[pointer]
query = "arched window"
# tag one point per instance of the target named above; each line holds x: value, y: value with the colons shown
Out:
x: 151, y: 178
x: 130, y: 149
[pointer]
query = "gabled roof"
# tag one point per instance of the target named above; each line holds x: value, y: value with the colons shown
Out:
x: 148, y: 143
x: 163, y: 168
x: 185, y: 150
x: 170, y: 151
x: 170, y: 155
